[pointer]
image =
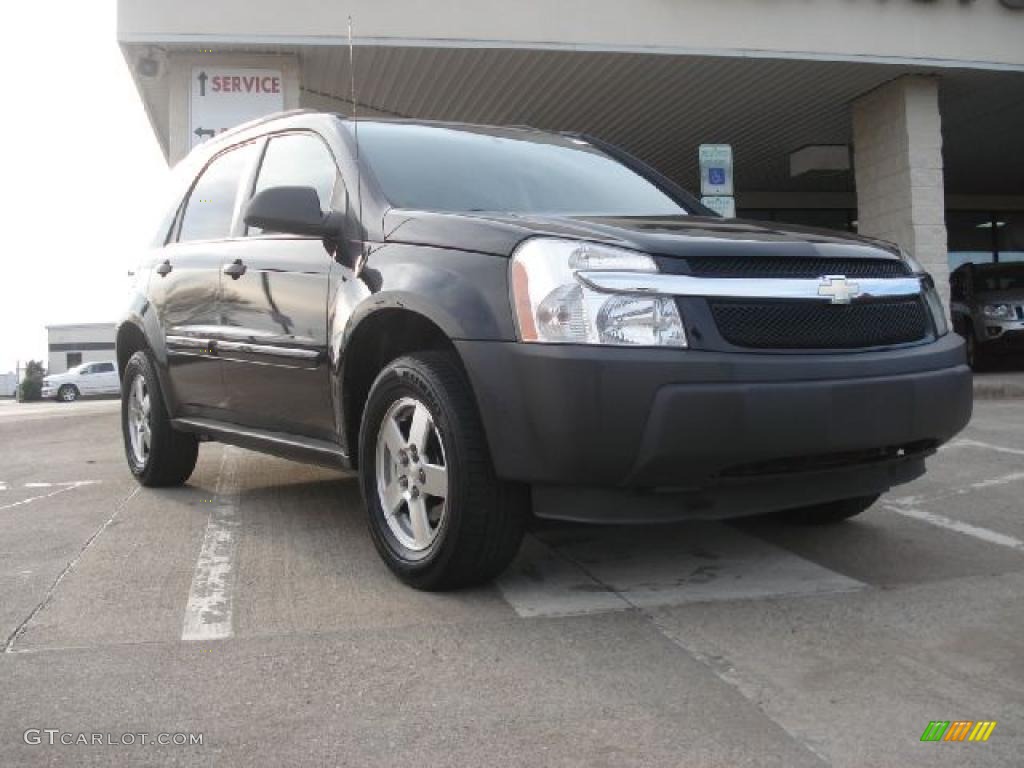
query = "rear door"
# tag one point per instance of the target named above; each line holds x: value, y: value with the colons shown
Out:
x: 86, y: 381
x: 185, y: 286
x: 107, y: 381
x: 274, y: 303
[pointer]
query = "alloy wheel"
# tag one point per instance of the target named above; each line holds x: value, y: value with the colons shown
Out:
x: 139, y: 422
x: 411, y: 474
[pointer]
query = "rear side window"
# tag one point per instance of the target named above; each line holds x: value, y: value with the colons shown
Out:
x: 298, y: 160
x: 104, y: 368
x: 211, y: 205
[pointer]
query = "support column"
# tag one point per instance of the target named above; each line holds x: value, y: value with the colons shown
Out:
x: 897, y: 138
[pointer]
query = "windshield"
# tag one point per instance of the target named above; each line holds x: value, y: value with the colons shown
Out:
x: 511, y: 170
x: 990, y: 280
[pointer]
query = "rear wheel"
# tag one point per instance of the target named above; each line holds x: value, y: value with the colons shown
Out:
x: 830, y: 512
x: 439, y: 517
x: 67, y: 393
x: 157, y: 454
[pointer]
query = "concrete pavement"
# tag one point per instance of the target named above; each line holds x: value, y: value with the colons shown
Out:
x: 753, y: 643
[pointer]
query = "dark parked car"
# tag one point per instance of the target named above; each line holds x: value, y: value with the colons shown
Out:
x: 488, y: 321
x: 987, y: 305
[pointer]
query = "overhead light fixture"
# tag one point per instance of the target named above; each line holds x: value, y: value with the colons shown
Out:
x: 819, y: 158
x: 988, y: 224
x: 149, y: 66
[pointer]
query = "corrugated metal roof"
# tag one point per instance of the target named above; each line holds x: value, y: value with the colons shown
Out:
x: 661, y: 107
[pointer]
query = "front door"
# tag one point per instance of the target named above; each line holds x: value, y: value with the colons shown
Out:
x: 274, y: 304
x: 185, y: 286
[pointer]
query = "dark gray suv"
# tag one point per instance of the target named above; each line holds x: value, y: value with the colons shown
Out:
x: 987, y: 303
x: 484, y: 322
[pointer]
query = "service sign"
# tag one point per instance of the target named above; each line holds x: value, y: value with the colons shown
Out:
x: 715, y: 170
x: 223, y: 97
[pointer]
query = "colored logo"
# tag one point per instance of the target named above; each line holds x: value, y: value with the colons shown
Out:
x: 716, y: 176
x: 958, y: 730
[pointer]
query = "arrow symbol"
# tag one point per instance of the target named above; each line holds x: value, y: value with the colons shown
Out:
x: 200, y: 132
x: 202, y: 83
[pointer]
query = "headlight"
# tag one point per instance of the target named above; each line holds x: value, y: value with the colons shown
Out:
x: 999, y: 311
x: 553, y: 306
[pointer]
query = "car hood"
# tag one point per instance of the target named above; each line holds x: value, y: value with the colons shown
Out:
x: 678, y: 236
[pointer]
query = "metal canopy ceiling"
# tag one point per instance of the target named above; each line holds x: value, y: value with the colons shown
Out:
x: 661, y: 107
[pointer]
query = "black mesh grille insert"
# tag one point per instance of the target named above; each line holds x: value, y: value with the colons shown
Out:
x: 818, y: 325
x: 796, y: 267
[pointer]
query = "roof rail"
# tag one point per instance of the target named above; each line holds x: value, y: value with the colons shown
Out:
x: 259, y: 121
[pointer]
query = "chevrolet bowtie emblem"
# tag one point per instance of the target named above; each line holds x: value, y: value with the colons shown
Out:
x: 838, y: 288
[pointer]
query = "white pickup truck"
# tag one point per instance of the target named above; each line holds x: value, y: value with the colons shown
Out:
x: 84, y: 379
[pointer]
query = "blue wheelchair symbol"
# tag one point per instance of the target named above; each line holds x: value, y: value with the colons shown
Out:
x: 716, y: 176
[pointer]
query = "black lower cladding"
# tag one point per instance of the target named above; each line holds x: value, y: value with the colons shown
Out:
x: 818, y: 325
x: 672, y: 419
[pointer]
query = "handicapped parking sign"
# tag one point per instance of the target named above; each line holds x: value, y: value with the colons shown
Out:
x: 715, y: 169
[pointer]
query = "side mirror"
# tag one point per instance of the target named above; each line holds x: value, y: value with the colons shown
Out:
x: 293, y: 210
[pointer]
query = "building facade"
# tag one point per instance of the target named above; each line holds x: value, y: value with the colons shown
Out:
x: 899, y: 119
x: 71, y: 345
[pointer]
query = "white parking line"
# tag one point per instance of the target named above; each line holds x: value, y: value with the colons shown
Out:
x: 966, y: 443
x: 602, y: 570
x: 914, y: 501
x: 54, y: 485
x: 992, y: 537
x: 63, y: 487
x: 208, y: 613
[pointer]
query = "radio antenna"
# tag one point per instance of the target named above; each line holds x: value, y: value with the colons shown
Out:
x: 355, y: 130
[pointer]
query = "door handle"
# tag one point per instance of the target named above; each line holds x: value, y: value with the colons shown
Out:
x: 236, y: 269
x: 164, y: 268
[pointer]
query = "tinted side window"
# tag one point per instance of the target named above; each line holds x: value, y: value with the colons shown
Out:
x: 299, y: 160
x: 104, y: 367
x: 211, y: 205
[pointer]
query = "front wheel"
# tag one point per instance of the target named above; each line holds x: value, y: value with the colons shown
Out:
x: 157, y: 454
x: 975, y: 354
x: 830, y: 512
x: 438, y: 516
x: 67, y: 393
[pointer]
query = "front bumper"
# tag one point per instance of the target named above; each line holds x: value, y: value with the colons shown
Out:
x: 1004, y: 337
x: 48, y: 391
x: 685, y: 420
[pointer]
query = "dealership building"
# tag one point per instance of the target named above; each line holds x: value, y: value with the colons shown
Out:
x: 76, y: 343
x: 900, y: 119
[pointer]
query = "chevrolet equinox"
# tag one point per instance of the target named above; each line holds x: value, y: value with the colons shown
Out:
x: 487, y: 322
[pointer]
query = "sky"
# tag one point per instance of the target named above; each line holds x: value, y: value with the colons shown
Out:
x: 80, y: 172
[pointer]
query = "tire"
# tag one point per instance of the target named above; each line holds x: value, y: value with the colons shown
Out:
x: 828, y: 513
x: 471, y: 533
x: 169, y: 456
x: 68, y: 393
x: 976, y: 357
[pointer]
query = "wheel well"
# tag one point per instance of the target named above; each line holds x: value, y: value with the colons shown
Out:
x: 129, y: 341
x: 384, y: 336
